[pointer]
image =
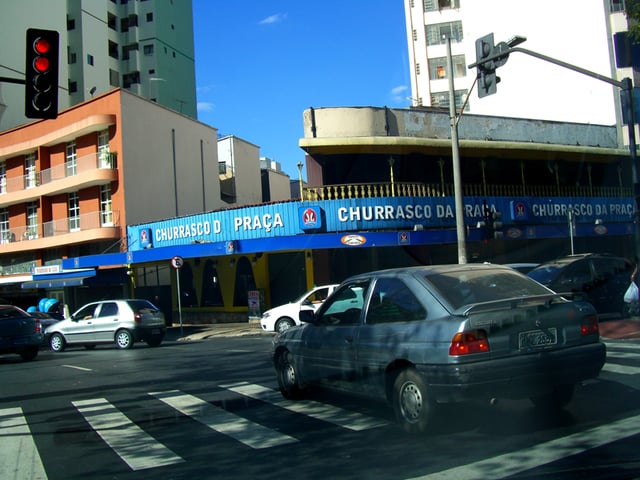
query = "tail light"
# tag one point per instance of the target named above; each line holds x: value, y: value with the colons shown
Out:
x: 590, y: 326
x: 137, y: 317
x: 38, y: 326
x: 472, y: 341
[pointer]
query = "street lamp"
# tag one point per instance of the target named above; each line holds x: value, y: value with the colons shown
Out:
x: 300, y: 179
x: 391, y: 161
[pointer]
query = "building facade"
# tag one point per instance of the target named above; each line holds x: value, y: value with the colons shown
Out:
x: 530, y: 87
x: 145, y: 47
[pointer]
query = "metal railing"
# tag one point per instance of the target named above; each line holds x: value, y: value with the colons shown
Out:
x: 94, y: 161
x: 63, y: 226
x: 401, y: 189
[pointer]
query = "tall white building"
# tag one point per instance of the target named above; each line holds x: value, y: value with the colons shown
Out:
x: 578, y: 32
x: 144, y: 46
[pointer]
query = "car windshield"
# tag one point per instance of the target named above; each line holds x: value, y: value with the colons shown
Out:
x: 464, y: 288
x: 544, y: 274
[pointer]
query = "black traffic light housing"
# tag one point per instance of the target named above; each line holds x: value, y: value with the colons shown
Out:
x: 487, y: 78
x: 41, y: 74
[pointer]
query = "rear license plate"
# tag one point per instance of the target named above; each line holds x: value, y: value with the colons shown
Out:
x: 537, y: 338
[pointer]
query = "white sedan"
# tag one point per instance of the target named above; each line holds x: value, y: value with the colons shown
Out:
x: 279, y: 319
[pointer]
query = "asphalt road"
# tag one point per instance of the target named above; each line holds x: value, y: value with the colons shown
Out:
x: 209, y: 409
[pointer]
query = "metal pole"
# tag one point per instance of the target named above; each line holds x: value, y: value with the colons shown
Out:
x: 627, y: 102
x: 300, y: 179
x: 455, y: 157
x: 179, y: 302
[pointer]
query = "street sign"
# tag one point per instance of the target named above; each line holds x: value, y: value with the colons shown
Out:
x: 177, y: 262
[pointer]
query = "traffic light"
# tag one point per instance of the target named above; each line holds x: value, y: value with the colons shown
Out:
x: 41, y: 74
x: 487, y: 79
x: 496, y: 224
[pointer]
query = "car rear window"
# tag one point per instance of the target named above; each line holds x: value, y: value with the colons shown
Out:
x: 465, y: 287
x: 141, y: 305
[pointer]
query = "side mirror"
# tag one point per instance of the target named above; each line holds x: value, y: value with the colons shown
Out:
x: 307, y: 315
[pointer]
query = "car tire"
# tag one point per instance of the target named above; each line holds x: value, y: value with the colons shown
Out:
x: 283, y: 324
x: 411, y: 401
x: 557, y: 399
x: 287, y: 374
x: 124, y: 339
x: 155, y: 340
x: 57, y: 343
x: 29, y: 354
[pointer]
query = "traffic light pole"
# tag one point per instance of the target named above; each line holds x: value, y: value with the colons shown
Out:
x: 626, y: 96
x: 12, y: 80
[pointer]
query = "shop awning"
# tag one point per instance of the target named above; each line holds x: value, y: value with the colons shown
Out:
x: 68, y: 279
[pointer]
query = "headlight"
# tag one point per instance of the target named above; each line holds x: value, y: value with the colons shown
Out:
x: 266, y: 314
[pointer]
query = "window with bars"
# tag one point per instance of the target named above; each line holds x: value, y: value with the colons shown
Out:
x: 74, y: 212
x: 30, y: 178
x: 441, y: 99
x: 104, y: 156
x: 438, y: 67
x: 436, y: 5
x: 106, y: 212
x: 5, y: 234
x: 437, y: 33
x: 71, y: 161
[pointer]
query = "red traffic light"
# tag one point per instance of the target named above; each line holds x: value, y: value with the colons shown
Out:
x: 41, y: 45
x: 41, y: 64
x: 41, y: 73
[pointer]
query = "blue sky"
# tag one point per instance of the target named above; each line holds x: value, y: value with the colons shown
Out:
x: 261, y: 63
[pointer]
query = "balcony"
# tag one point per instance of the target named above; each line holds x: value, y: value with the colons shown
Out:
x: 82, y: 229
x: 95, y: 169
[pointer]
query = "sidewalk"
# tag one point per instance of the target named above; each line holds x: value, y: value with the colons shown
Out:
x: 627, y: 329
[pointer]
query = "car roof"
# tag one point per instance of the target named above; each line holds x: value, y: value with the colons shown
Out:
x: 433, y: 270
x: 567, y: 259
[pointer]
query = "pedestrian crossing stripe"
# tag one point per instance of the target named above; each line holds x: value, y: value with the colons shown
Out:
x: 19, y: 457
x: 124, y: 436
x: 249, y: 433
x: 321, y: 411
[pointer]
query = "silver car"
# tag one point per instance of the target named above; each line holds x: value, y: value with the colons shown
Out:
x: 122, y: 322
x: 423, y: 336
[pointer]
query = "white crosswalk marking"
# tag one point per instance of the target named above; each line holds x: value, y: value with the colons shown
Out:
x: 19, y: 457
x: 251, y: 434
x: 328, y: 413
x: 518, y: 461
x: 622, y: 369
x: 136, y: 448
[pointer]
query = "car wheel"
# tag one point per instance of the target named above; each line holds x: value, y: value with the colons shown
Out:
x: 288, y: 377
x: 284, y: 323
x: 558, y: 398
x: 411, y: 402
x: 124, y: 339
x: 57, y: 342
x: 29, y: 354
x: 155, y: 340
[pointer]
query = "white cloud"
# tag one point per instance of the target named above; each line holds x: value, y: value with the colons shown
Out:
x: 276, y: 18
x: 206, y: 107
x: 399, y: 89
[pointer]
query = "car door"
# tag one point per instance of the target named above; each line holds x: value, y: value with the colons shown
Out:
x: 328, y: 348
x: 80, y: 328
x: 106, y: 322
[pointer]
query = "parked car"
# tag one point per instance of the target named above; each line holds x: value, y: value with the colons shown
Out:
x: 19, y: 332
x: 602, y: 278
x: 285, y: 316
x: 422, y: 336
x: 522, y: 267
x: 46, y: 319
x: 121, y: 321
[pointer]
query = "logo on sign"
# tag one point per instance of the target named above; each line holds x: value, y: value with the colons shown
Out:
x: 231, y: 246
x: 353, y: 240
x: 519, y: 210
x: 145, y: 237
x: 403, y: 237
x: 310, y: 218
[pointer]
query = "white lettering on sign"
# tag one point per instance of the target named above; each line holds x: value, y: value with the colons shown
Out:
x: 265, y: 222
x: 189, y: 230
x: 383, y: 212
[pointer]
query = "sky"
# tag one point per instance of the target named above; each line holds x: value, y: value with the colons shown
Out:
x: 261, y: 63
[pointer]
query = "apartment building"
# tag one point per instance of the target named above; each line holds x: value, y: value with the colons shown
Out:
x: 143, y: 46
x: 529, y: 87
x: 70, y: 186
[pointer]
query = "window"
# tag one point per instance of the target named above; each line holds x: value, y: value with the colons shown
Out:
x: 441, y: 99
x: 30, y: 179
x: 32, y: 221
x: 345, y: 305
x: 438, y: 67
x: 130, y: 78
x: 438, y: 33
x: 114, y: 78
x: 5, y: 235
x: 89, y: 59
x: 113, y: 49
x: 435, y: 5
x: 106, y: 214
x: 3, y: 177
x: 71, y: 160
x: 71, y: 23
x: 74, y: 212
x: 104, y: 156
x: 616, y: 6
x: 391, y: 301
x: 71, y: 57
x: 150, y: 17
x: 108, y: 309
x: 147, y: 49
x: 73, y: 86
x: 127, y: 49
x: 111, y: 21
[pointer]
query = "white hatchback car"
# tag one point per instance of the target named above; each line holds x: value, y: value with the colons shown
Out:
x: 279, y: 319
x: 122, y: 322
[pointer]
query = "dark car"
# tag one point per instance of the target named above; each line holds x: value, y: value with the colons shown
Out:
x: 46, y: 320
x: 19, y: 332
x: 602, y: 278
x: 423, y: 336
